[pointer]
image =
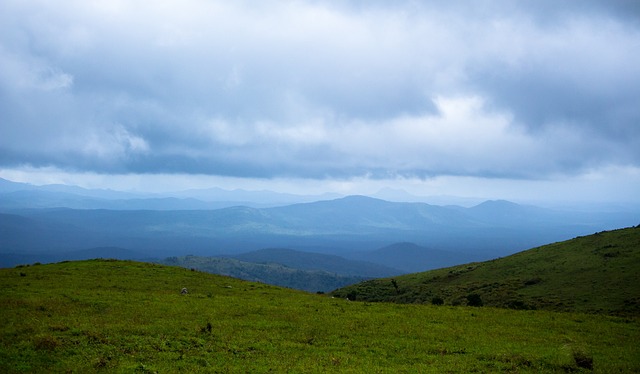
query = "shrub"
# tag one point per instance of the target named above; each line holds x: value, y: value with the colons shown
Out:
x: 474, y: 300
x: 583, y: 360
x: 47, y: 342
x: 519, y: 305
x: 532, y: 281
x: 395, y: 285
x: 437, y: 300
x: 207, y: 329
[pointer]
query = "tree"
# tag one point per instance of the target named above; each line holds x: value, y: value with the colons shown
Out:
x: 395, y: 285
x: 474, y: 300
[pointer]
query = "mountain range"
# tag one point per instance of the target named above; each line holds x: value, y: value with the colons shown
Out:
x: 14, y: 195
x: 407, y: 236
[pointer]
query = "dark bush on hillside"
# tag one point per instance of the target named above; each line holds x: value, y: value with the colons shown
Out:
x: 437, y: 300
x: 48, y: 343
x: 474, y: 300
x: 207, y: 329
x: 395, y: 285
x: 532, y: 281
x: 519, y: 305
x: 352, y: 295
x: 583, y: 360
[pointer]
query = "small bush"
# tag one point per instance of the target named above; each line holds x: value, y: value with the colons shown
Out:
x: 437, y: 300
x: 519, y: 305
x: 47, y: 342
x: 395, y: 285
x: 532, y: 281
x: 583, y: 360
x: 474, y: 300
x: 58, y: 327
x: 207, y: 329
x: 102, y: 362
x: 611, y: 254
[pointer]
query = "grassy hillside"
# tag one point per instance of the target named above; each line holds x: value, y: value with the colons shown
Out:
x: 596, y: 274
x: 121, y: 316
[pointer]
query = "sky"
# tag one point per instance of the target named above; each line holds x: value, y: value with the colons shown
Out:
x: 522, y: 100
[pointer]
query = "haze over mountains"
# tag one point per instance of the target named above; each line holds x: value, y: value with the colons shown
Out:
x: 53, y: 223
x: 24, y: 195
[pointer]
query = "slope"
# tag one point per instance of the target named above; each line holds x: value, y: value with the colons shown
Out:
x: 596, y: 274
x: 122, y: 316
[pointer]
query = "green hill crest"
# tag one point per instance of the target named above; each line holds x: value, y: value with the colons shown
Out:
x: 592, y: 274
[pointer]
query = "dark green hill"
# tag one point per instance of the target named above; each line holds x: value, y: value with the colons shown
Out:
x: 131, y: 317
x: 317, y: 261
x: 270, y: 273
x: 598, y: 273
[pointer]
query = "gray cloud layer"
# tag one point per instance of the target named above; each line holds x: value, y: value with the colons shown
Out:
x: 320, y: 89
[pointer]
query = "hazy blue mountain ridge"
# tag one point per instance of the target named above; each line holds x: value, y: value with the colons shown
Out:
x: 410, y: 257
x: 353, y: 227
x: 15, y: 195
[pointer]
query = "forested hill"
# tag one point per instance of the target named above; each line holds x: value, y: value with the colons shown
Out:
x: 312, y: 280
x: 595, y: 274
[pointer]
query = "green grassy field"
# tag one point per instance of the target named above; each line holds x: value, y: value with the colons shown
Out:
x: 598, y: 273
x: 120, y: 316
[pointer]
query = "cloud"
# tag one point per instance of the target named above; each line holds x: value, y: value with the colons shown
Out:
x: 311, y: 89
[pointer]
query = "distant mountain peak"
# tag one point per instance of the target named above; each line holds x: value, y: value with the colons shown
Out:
x: 359, y: 198
x: 498, y: 203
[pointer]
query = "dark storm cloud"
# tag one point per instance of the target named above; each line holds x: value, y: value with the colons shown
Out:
x: 320, y: 90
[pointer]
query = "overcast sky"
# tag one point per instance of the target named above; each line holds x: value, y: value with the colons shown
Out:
x: 496, y: 99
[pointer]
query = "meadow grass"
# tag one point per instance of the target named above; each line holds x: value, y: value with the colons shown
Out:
x: 121, y: 316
